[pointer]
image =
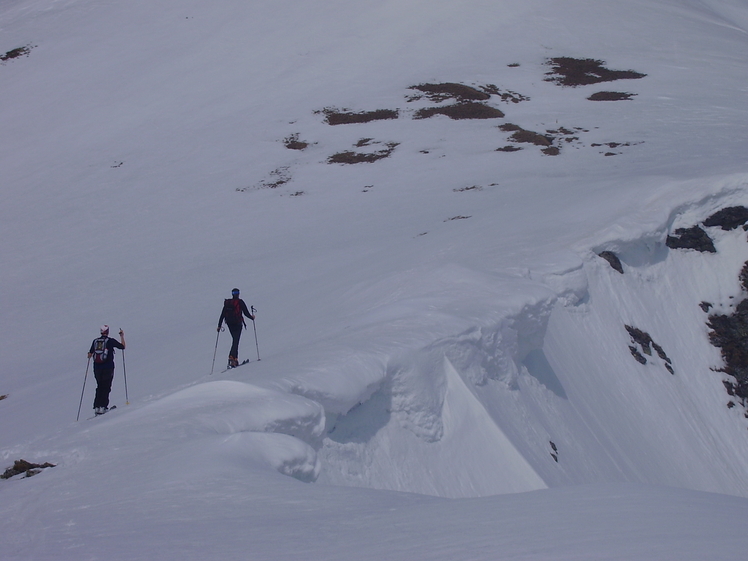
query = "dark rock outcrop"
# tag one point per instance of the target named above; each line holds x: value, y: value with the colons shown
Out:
x: 691, y: 238
x: 728, y: 218
x: 612, y: 258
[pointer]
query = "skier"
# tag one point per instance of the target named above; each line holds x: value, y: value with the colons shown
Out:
x: 234, y: 310
x: 102, y: 351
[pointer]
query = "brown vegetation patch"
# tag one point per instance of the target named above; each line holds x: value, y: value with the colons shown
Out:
x: 341, y: 117
x: 16, y: 53
x: 438, y: 93
x: 611, y: 96
x: 522, y: 136
x: 293, y: 143
x: 531, y: 137
x: 277, y: 177
x: 22, y: 466
x: 459, y: 111
x: 351, y: 157
x: 442, y: 92
x: 509, y: 148
x: 507, y: 96
x: 567, y: 71
x: 457, y: 218
x: 614, y: 145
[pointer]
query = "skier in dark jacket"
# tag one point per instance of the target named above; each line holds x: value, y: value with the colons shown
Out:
x: 102, y: 351
x: 234, y: 310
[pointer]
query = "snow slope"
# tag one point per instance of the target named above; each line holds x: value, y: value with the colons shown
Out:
x: 437, y: 322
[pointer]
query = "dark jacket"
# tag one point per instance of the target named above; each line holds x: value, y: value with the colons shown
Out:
x: 110, y: 344
x: 234, y: 310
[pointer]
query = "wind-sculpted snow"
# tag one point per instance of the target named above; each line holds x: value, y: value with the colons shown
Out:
x: 428, y: 230
x: 551, y: 388
x: 230, y: 420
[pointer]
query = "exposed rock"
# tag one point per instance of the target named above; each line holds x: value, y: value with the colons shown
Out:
x: 22, y: 466
x: 612, y: 258
x: 637, y: 355
x: 691, y: 238
x: 730, y: 334
x: 728, y: 218
x: 644, y: 340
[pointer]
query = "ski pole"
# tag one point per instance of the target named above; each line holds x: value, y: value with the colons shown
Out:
x: 124, y: 373
x: 255, y: 328
x: 84, y: 389
x: 212, y: 366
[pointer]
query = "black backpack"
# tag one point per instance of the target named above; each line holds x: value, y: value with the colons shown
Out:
x: 101, y: 350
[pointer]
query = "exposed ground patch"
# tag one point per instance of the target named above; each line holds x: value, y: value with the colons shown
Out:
x: 439, y: 93
x: 573, y: 72
x: 27, y: 468
x: 457, y: 111
x: 729, y: 333
x: 612, y: 260
x: 643, y: 340
x: 345, y: 117
x: 550, y: 142
x: 691, y: 238
x: 611, y: 96
x: 16, y: 53
x: 292, y: 142
x: 728, y: 218
x: 614, y: 146
x: 459, y: 217
x: 352, y: 157
x: 276, y: 178
x: 448, y: 90
x: 554, y: 450
x: 462, y: 101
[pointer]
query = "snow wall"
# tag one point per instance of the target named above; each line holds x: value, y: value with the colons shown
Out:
x: 556, y: 391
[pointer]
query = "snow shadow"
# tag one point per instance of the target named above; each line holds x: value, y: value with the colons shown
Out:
x: 362, y: 422
x: 538, y: 367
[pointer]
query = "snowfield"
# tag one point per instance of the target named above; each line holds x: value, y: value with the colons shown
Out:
x: 476, y: 337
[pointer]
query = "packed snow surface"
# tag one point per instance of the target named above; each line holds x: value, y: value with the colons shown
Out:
x: 442, y: 365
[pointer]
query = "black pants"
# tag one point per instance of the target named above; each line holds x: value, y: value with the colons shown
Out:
x: 103, y: 387
x: 236, y: 334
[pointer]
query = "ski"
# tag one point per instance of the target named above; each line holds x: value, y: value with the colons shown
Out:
x: 104, y: 413
x: 237, y: 366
